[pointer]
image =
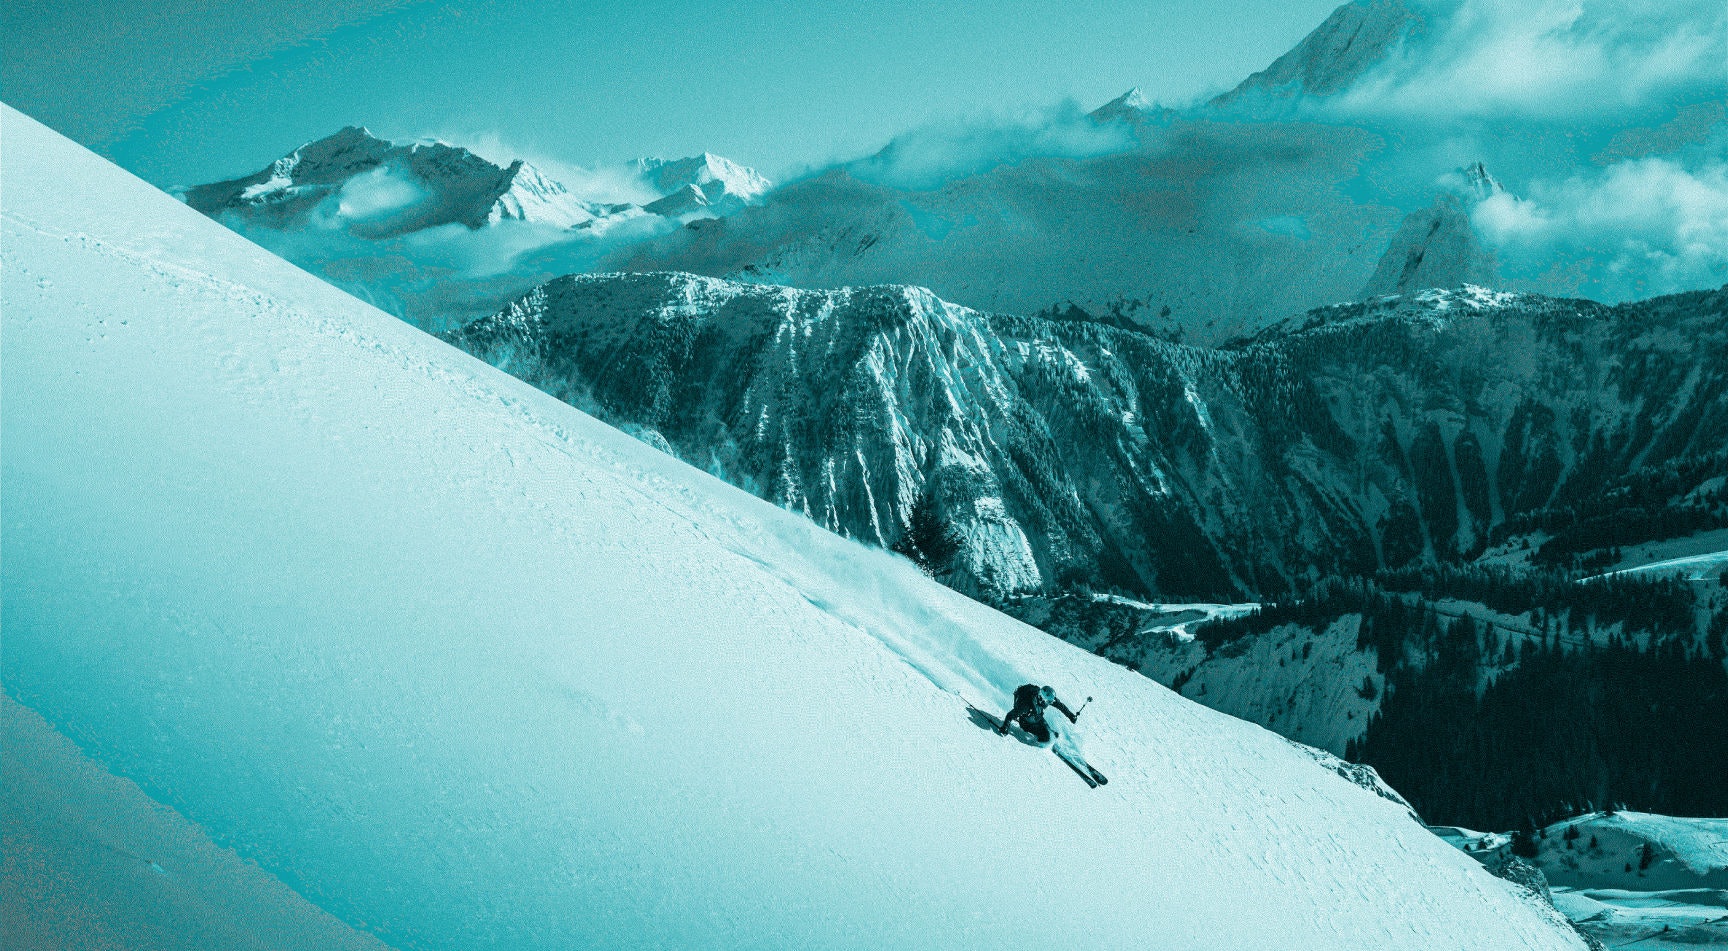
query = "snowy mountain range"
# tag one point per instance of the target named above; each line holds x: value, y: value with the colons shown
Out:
x: 437, y: 234
x: 463, y: 666
x: 1314, y: 181
x: 356, y: 180
x: 1055, y: 455
x: 380, y: 189
x: 1339, y: 172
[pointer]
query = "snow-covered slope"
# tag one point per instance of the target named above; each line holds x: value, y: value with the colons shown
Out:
x: 1640, y: 880
x: 1608, y: 851
x: 93, y: 864
x: 466, y: 668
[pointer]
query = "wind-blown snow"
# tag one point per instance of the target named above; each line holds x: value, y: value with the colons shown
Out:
x: 468, y: 669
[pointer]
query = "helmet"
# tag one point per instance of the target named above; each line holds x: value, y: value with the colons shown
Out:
x: 1048, y: 693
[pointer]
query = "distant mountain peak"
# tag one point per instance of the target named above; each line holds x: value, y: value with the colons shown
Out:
x: 1435, y: 247
x: 533, y: 196
x: 438, y: 183
x: 1479, y: 183
x: 715, y: 176
x: 1129, y: 104
x: 1353, y: 39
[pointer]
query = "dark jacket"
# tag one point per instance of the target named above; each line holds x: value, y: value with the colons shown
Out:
x: 1029, y: 701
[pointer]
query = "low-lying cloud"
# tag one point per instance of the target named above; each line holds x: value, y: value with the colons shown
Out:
x: 1579, y: 60
x: 370, y: 196
x: 930, y: 157
x: 1645, y: 226
x: 605, y: 184
x: 442, y: 276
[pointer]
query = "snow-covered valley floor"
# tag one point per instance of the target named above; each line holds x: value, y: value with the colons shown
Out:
x: 464, y: 668
x: 1637, y: 880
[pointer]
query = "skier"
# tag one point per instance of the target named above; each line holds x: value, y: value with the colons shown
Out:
x: 1029, y: 703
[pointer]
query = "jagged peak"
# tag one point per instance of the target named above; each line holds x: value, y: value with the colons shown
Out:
x: 530, y: 175
x: 1132, y: 99
x: 668, y: 175
x: 1479, y: 182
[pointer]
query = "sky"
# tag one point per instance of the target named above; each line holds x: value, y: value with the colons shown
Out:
x: 188, y: 92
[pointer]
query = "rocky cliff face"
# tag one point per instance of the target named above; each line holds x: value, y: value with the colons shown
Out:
x: 1023, y: 455
x: 1438, y: 246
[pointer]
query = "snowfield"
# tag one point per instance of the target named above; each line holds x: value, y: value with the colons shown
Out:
x: 467, y: 669
x: 1678, y: 898
x: 93, y: 864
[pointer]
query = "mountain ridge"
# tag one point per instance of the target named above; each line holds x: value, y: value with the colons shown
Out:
x: 565, y: 688
x: 1066, y: 452
x: 460, y: 186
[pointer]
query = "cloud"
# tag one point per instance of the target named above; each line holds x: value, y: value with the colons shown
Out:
x: 934, y: 155
x: 1586, y: 60
x: 438, y: 277
x: 377, y: 195
x: 606, y: 184
x: 1646, y: 226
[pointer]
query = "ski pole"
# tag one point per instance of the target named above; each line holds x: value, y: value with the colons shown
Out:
x: 1082, y: 707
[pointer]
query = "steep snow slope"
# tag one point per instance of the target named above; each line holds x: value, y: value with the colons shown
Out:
x: 93, y: 864
x: 461, y: 664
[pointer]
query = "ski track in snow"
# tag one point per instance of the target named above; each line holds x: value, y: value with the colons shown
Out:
x: 468, y: 669
x: 1690, y: 568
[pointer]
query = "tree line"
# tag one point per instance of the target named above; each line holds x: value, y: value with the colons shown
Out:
x: 1487, y: 725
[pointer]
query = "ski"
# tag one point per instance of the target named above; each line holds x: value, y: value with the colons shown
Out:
x: 1081, y: 768
x: 1084, y: 769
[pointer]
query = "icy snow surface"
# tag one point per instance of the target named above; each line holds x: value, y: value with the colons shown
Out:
x: 467, y: 669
